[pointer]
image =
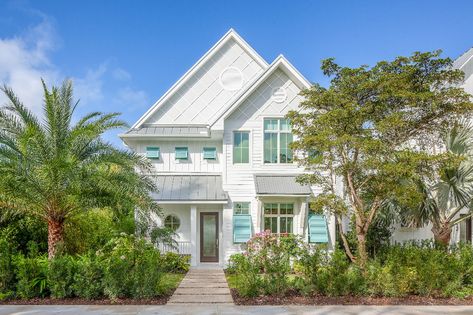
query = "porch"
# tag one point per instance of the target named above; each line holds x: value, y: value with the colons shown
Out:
x: 193, y: 208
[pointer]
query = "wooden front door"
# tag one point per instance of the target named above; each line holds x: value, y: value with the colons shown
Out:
x: 209, y: 237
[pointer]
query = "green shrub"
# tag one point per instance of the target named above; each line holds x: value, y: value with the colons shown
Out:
x: 248, y: 280
x: 88, y: 280
x: 329, y: 274
x: 421, y: 269
x: 62, y: 270
x: 132, y: 268
x: 175, y: 263
x: 7, y: 273
x: 31, y: 273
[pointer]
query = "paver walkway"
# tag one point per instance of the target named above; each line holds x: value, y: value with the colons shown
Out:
x: 202, y: 286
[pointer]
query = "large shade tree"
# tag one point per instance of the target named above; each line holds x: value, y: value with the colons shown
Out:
x: 371, y: 128
x: 53, y: 167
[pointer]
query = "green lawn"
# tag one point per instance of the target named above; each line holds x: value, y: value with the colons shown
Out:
x: 170, y: 282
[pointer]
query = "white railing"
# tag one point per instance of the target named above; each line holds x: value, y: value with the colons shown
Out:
x: 182, y: 248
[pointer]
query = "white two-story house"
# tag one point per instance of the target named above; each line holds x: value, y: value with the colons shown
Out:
x: 218, y: 142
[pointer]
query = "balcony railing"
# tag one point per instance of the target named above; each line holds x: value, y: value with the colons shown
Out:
x: 182, y: 248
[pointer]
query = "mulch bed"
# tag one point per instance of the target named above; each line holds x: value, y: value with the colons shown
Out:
x: 295, y: 298
x: 79, y: 301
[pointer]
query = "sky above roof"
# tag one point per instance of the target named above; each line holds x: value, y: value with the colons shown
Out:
x: 123, y: 55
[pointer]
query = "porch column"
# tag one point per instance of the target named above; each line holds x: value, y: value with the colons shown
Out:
x: 193, y: 236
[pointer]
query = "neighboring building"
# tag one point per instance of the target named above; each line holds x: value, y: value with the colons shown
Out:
x: 461, y: 232
x: 218, y: 143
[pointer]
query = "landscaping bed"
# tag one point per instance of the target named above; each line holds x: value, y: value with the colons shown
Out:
x: 295, y: 298
x: 169, y: 284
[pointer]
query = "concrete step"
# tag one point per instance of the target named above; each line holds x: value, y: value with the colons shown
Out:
x: 203, y: 285
x: 200, y: 291
x: 204, y: 280
x: 208, y: 299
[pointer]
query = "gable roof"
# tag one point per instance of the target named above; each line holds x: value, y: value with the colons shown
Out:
x: 279, y: 63
x: 465, y: 63
x: 230, y: 35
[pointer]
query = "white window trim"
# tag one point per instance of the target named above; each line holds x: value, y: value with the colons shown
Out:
x: 278, y: 132
x: 235, y: 202
x: 177, y: 216
x: 279, y: 215
x: 250, y: 142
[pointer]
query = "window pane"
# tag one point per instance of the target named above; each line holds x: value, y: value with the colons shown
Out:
x: 289, y: 222
x: 245, y: 155
x: 290, y: 208
x: 285, y: 152
x: 267, y: 224
x: 271, y: 124
x: 241, y: 208
x: 241, y: 147
x: 282, y: 208
x: 284, y: 125
x: 270, y: 147
x: 245, y: 140
x: 282, y: 226
x: 274, y: 225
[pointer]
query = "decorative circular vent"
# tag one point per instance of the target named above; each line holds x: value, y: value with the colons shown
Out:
x: 231, y: 79
x: 279, y: 94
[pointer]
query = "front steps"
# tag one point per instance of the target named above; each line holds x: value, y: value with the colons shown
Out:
x: 202, y: 286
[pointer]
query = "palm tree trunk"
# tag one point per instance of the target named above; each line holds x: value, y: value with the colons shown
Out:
x: 55, y: 236
x: 442, y: 233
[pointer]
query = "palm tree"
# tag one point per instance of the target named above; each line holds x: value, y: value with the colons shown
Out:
x: 53, y: 168
x: 452, y: 189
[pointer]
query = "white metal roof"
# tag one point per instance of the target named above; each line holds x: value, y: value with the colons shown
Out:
x: 168, y: 132
x: 279, y: 185
x: 189, y: 189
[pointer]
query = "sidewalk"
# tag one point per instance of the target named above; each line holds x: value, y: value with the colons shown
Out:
x: 231, y: 309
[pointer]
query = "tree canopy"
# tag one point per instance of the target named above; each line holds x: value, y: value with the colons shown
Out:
x: 53, y: 168
x: 377, y: 129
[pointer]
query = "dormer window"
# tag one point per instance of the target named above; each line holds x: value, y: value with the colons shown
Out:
x: 277, y: 138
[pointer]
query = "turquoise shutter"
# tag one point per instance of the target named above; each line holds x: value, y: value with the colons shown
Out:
x: 317, y: 228
x: 181, y: 153
x: 241, y: 228
x: 152, y: 152
x: 210, y: 153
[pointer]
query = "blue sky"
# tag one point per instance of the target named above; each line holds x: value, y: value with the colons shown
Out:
x: 123, y: 55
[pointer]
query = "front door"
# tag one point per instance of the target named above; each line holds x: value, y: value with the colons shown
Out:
x: 209, y: 236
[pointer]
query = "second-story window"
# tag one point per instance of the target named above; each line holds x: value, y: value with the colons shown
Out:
x: 182, y: 153
x: 277, y: 137
x: 241, y: 147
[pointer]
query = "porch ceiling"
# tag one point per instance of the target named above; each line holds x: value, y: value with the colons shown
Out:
x: 280, y: 185
x: 189, y: 189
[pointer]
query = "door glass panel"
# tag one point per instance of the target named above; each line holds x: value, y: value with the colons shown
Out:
x: 210, y: 232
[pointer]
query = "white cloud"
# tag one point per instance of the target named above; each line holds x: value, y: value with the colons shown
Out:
x: 90, y: 87
x: 132, y: 99
x: 24, y: 60
x: 121, y: 75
